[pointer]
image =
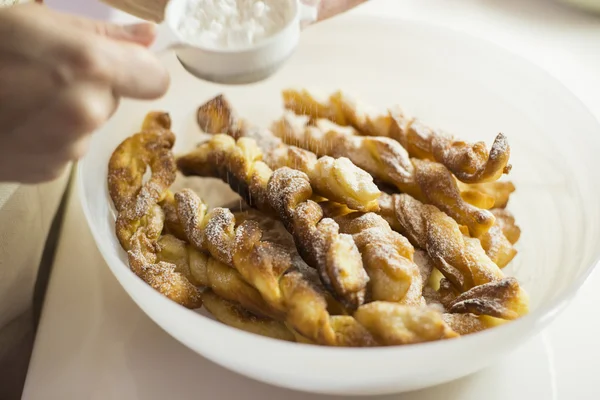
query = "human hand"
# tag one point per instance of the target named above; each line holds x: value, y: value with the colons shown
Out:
x: 331, y: 8
x: 61, y: 78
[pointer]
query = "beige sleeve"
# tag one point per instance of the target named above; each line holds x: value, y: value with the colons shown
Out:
x: 150, y: 10
x: 26, y: 215
x: 25, y: 219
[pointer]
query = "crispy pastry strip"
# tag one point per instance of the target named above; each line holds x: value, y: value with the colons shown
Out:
x: 497, y: 246
x: 217, y: 116
x: 390, y: 268
x: 387, y: 255
x: 336, y: 179
x: 465, y: 324
x: 205, y: 271
x: 140, y: 219
x: 499, y: 192
x: 285, y: 193
x: 161, y: 276
x: 428, y: 181
x: 235, y: 315
x: 498, y: 299
x: 460, y: 258
x: 506, y: 222
x: 286, y: 284
x: 387, y: 161
x: 420, y: 324
x: 266, y: 266
x: 469, y: 162
x: 234, y: 292
x: 499, y: 241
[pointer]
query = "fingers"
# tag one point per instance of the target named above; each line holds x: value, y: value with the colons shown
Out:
x: 330, y: 8
x: 134, y: 71
x: 84, y: 108
x: 76, y: 71
x: 61, y: 124
x: 72, y: 47
x: 142, y: 33
x: 31, y: 169
x: 57, y: 135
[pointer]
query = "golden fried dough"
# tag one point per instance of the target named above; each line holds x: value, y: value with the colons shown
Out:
x: 389, y: 162
x: 469, y: 162
x: 285, y: 193
x: 235, y: 315
x: 140, y: 219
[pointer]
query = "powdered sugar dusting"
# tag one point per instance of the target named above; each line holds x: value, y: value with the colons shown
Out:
x: 233, y: 24
x: 287, y: 185
x: 190, y: 211
x: 464, y: 324
x: 424, y: 263
x: 386, y: 250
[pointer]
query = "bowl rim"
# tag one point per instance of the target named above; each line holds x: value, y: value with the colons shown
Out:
x: 537, y: 319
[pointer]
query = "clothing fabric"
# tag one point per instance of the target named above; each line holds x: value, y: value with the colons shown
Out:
x: 26, y: 215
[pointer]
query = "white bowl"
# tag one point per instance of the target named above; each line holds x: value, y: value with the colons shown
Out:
x: 449, y: 80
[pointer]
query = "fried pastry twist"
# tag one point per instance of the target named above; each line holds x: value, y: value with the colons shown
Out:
x: 137, y: 203
x: 498, y: 299
x: 160, y: 275
x: 140, y: 219
x: 235, y: 302
x: 205, y: 271
x: 235, y: 315
x: 285, y: 283
x: 497, y: 246
x: 499, y: 240
x: 506, y: 222
x: 469, y: 162
x: 420, y: 323
x: 285, y: 193
x: 497, y: 192
x: 460, y: 258
x: 228, y: 297
x: 265, y: 266
x: 387, y: 255
x: 429, y: 181
x: 336, y: 179
x: 465, y: 324
x: 389, y: 162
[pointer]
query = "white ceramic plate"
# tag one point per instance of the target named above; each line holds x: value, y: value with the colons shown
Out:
x: 449, y: 80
